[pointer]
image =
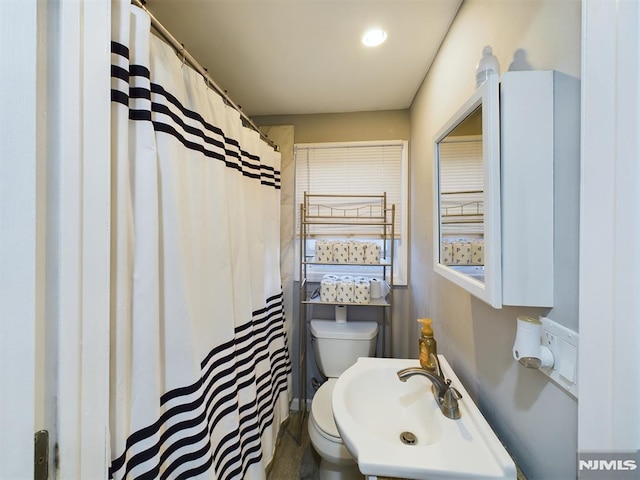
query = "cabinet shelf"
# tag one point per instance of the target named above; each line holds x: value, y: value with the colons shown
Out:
x: 372, y: 265
x: 374, y: 302
x: 348, y: 222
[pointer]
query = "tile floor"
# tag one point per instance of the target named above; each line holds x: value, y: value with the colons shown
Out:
x: 293, y: 461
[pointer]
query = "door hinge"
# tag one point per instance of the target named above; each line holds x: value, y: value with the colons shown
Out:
x: 41, y: 458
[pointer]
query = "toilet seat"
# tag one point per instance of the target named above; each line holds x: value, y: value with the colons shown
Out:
x: 322, y: 412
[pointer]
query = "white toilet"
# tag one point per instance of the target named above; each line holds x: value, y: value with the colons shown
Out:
x: 336, y: 346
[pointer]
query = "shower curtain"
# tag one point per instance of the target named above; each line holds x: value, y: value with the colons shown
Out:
x: 200, y: 370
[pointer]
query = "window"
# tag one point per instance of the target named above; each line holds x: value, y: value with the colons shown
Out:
x: 358, y: 168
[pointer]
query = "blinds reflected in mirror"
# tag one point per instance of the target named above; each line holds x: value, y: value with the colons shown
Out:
x: 461, y: 185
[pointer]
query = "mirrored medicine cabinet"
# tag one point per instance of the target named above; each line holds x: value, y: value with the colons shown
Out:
x: 467, y: 196
x: 506, y: 170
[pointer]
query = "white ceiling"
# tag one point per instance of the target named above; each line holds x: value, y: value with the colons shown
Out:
x: 305, y: 56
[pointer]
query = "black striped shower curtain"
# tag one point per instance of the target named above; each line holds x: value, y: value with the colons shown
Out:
x: 200, y: 370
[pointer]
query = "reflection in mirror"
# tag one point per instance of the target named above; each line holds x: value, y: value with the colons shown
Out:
x: 461, y: 197
x: 467, y: 235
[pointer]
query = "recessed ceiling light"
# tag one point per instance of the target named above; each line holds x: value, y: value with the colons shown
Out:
x: 374, y: 37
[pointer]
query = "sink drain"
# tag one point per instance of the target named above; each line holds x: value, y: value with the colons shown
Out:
x: 408, y: 438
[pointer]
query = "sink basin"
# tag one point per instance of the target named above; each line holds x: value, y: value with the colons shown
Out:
x: 396, y: 429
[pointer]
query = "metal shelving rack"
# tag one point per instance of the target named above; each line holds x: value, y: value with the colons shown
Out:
x: 318, y: 218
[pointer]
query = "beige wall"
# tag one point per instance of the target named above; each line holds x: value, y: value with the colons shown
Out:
x: 336, y: 127
x: 535, y: 419
x: 344, y: 127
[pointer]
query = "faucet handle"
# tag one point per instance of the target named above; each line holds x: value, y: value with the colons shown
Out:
x: 451, y: 397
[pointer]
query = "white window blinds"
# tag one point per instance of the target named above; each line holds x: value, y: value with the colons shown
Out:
x: 354, y: 169
x: 461, y: 165
x: 461, y: 185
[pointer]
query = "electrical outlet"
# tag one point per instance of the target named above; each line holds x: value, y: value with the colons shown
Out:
x: 563, y: 343
x: 548, y: 340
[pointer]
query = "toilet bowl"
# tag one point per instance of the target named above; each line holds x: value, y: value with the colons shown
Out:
x: 336, y: 347
x: 336, y: 463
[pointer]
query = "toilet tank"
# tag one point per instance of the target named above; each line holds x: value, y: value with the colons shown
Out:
x: 337, y: 346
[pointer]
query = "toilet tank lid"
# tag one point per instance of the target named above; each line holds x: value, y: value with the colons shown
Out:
x: 352, y: 330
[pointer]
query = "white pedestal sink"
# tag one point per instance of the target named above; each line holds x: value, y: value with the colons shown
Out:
x: 378, y: 418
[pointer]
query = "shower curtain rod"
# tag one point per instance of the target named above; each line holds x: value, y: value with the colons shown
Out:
x: 166, y: 35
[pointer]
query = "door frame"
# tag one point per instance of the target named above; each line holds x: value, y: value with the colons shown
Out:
x: 55, y: 243
x: 609, y: 357
x: 82, y: 128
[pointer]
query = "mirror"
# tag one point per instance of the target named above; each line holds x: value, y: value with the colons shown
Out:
x: 466, y: 176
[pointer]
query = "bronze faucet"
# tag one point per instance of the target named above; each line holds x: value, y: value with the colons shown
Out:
x: 446, y: 396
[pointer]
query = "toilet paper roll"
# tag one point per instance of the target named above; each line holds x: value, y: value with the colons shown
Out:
x: 361, y: 292
x: 335, y: 278
x: 328, y: 290
x: 477, y: 252
x: 357, y: 252
x: 345, y: 291
x: 372, y: 255
x: 324, y: 251
x: 341, y: 313
x: 446, y: 255
x: 378, y: 288
x: 374, y: 288
x: 462, y: 253
x: 341, y: 252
